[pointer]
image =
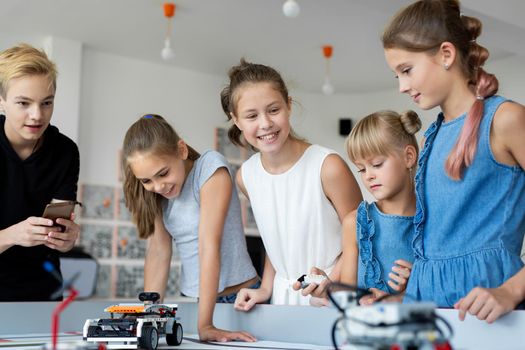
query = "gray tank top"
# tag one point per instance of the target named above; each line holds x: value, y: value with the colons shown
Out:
x: 181, y: 219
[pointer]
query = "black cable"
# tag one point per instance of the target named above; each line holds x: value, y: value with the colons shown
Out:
x: 334, y: 330
x: 449, y: 327
x: 332, y: 299
x: 359, y: 293
x: 352, y: 287
x: 441, y: 334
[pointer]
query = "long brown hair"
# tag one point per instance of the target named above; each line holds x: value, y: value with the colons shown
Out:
x: 423, y: 27
x: 151, y: 134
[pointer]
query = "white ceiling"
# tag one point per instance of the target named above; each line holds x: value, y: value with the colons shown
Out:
x: 211, y: 35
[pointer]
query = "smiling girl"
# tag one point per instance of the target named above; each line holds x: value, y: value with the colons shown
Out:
x: 176, y: 194
x: 299, y: 192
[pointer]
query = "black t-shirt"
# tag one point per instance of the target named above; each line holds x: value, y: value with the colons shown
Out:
x: 26, y: 186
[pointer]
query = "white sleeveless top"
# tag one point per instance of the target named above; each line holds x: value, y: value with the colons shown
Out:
x: 298, y: 224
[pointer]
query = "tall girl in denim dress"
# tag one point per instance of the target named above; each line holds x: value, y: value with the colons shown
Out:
x: 377, y: 252
x: 470, y: 185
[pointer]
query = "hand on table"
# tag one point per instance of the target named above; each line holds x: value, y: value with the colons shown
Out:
x: 210, y: 333
x: 487, y: 303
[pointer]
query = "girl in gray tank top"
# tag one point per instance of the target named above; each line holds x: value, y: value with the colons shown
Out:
x: 174, y: 193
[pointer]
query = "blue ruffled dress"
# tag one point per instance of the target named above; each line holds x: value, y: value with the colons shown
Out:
x: 468, y: 233
x: 382, y: 239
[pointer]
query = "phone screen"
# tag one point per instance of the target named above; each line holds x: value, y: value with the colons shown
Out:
x: 57, y: 210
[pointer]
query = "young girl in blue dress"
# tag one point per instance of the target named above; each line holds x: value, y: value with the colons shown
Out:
x: 377, y: 237
x: 470, y: 185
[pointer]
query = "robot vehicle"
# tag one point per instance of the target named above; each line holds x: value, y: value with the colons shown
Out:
x: 387, y: 325
x: 139, y: 325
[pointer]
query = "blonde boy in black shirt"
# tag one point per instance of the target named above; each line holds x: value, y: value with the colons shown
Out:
x: 38, y: 165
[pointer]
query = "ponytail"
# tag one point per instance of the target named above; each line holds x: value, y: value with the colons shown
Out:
x: 234, y: 133
x: 464, y: 151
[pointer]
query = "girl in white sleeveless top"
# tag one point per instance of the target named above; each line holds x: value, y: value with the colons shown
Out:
x: 299, y: 192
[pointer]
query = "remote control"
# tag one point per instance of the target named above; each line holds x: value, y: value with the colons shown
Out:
x: 306, y: 280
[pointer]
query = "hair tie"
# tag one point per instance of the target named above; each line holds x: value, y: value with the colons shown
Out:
x: 148, y: 116
x: 480, y: 98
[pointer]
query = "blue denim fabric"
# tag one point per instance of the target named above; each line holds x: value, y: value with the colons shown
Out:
x: 230, y: 298
x: 382, y: 239
x: 467, y: 233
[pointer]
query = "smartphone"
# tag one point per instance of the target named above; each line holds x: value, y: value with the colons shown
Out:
x: 57, y: 210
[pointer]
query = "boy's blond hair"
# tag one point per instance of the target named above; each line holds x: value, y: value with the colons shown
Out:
x: 25, y: 60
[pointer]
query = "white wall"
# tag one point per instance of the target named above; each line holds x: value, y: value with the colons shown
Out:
x: 67, y: 55
x: 511, y: 75
x: 118, y: 90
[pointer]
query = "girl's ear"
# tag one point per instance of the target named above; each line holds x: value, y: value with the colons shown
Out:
x: 183, y: 150
x: 410, y: 156
x: 289, y: 105
x: 235, y: 120
x: 448, y: 53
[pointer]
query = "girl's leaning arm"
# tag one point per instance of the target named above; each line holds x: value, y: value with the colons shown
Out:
x: 247, y: 298
x: 158, y: 259
x: 215, y: 197
x: 340, y: 186
x: 350, y: 254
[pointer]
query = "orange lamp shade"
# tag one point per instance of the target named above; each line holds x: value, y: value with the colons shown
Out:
x: 327, y: 51
x: 169, y: 9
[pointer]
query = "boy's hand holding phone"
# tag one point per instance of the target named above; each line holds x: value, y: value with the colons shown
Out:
x: 55, y: 229
x: 65, y: 231
x: 63, y: 237
x: 31, y: 232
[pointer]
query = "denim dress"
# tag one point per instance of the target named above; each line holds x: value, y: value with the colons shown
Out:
x: 382, y: 239
x: 468, y: 233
